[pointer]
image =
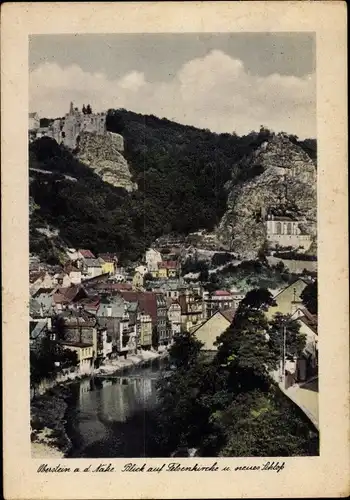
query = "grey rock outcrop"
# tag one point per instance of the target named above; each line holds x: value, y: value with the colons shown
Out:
x: 103, y: 153
x: 286, y: 184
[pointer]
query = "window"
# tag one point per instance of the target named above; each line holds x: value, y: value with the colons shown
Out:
x: 289, y: 228
x: 278, y: 228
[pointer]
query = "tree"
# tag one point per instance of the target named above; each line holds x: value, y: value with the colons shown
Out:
x: 294, y: 340
x: 204, y: 276
x: 50, y: 357
x: 259, y: 298
x: 309, y: 297
x: 84, y: 109
x: 258, y: 425
x: 88, y: 109
x: 245, y: 351
x: 185, y: 396
x: 229, y: 405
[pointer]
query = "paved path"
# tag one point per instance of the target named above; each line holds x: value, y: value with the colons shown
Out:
x: 305, y: 396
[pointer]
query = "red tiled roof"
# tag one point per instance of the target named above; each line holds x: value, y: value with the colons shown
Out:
x: 114, y: 286
x: 95, y: 280
x: 34, y: 276
x: 89, y: 302
x: 69, y: 268
x: 108, y: 257
x: 222, y: 293
x: 167, y: 264
x: 87, y: 254
x: 76, y: 344
x: 68, y: 294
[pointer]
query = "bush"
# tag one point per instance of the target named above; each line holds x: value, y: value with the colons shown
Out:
x: 295, y: 256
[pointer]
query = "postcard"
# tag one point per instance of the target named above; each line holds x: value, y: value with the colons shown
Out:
x: 175, y: 262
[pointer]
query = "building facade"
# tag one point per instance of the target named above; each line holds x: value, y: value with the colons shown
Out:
x: 191, y: 309
x: 163, y: 327
x: 286, y: 232
x: 212, y: 302
x: 174, y: 316
x: 212, y: 328
x: 153, y: 258
x: 288, y: 300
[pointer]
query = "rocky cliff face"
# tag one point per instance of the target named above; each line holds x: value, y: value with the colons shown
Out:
x: 103, y: 153
x: 284, y: 182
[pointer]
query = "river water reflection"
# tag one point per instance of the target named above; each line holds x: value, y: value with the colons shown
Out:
x: 113, y: 418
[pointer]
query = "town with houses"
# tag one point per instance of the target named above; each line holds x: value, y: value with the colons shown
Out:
x: 106, y: 312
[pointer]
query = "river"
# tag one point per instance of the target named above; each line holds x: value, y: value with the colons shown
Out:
x: 111, y: 418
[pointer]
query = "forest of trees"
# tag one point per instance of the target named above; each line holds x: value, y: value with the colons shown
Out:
x: 180, y: 170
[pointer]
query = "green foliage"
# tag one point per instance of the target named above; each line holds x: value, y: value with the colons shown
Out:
x: 253, y: 274
x: 246, y: 350
x: 292, y: 255
x: 89, y: 213
x: 42, y: 361
x: 220, y: 259
x: 259, y: 298
x: 309, y: 297
x: 228, y: 405
x: 192, y: 265
x: 185, y: 349
x: 258, y: 425
x: 295, y: 341
x: 40, y: 245
x: 180, y: 170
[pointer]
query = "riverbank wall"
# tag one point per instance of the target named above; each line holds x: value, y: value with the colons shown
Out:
x: 50, y: 402
x: 113, y: 366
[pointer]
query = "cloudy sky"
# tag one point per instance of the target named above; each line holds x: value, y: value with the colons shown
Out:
x: 224, y: 82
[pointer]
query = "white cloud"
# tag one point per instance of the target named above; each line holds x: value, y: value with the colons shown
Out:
x: 212, y: 92
x: 133, y: 81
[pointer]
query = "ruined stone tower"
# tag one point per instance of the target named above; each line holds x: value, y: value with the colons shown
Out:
x: 67, y: 130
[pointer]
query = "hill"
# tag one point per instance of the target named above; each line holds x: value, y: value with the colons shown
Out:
x: 180, y: 172
x: 278, y: 177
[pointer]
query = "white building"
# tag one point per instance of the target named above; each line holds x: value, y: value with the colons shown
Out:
x: 92, y: 268
x: 106, y: 344
x: 174, y: 316
x: 153, y: 258
x: 141, y: 269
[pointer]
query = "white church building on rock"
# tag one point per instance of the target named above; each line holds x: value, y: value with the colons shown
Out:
x: 285, y: 232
